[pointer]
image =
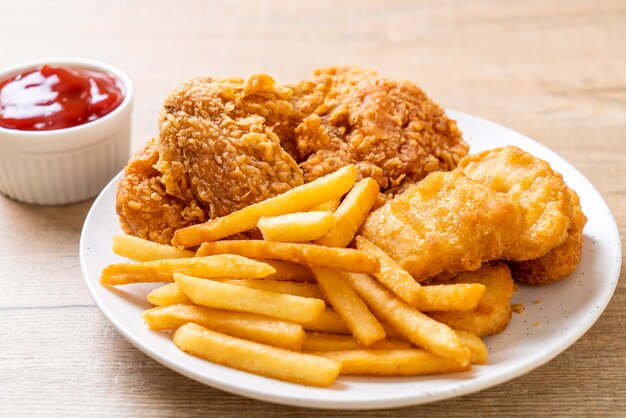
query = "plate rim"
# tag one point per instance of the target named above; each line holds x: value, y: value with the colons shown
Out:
x: 390, y: 400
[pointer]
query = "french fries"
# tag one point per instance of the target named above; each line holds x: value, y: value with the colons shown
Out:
x: 317, y: 341
x: 391, y: 275
x: 476, y: 346
x: 140, y: 249
x: 168, y: 294
x: 163, y: 270
x: 243, y: 325
x: 351, y: 213
x: 296, y: 227
x: 365, y: 327
x: 256, y: 358
x: 414, y: 325
x: 338, y: 258
x: 449, y: 297
x: 329, y: 206
x: 328, y: 321
x: 305, y: 290
x: 241, y: 299
x: 171, y: 293
x: 289, y: 271
x: 298, y: 199
x: 247, y: 303
x: 398, y: 362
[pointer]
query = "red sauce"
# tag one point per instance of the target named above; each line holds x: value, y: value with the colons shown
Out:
x: 51, y: 98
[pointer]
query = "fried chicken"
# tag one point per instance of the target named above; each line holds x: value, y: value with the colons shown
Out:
x: 217, y: 144
x: 227, y: 143
x: 498, y: 204
x: 144, y: 207
x: 389, y: 129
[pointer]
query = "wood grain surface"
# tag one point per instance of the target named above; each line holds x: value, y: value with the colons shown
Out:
x: 554, y: 70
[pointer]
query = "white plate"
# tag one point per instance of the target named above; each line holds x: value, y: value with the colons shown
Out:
x: 567, y: 309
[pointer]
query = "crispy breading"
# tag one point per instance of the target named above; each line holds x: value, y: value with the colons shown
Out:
x: 227, y: 143
x: 446, y: 224
x: 551, y: 246
x: 217, y: 145
x: 143, y: 206
x: 498, y: 204
x: 390, y: 129
x: 540, y: 190
x: 559, y: 262
x: 493, y: 312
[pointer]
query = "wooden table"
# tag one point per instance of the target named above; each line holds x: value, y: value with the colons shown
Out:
x: 555, y: 71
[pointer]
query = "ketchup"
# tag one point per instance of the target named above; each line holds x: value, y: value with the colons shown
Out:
x: 51, y: 98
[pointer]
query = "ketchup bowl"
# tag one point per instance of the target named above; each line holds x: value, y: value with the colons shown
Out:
x: 64, y: 129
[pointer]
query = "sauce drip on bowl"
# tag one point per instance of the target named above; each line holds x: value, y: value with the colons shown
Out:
x: 52, y: 98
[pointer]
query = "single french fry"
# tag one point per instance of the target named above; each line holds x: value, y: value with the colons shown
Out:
x: 338, y: 258
x: 241, y: 299
x: 318, y: 341
x: 475, y: 345
x: 391, y: 275
x: 363, y: 324
x: 450, y: 297
x: 171, y: 293
x: 305, y: 290
x: 398, y: 362
x: 328, y: 321
x: 168, y: 294
x: 225, y: 265
x: 243, y: 325
x: 297, y: 226
x: 256, y: 358
x: 414, y: 325
x: 351, y: 213
x: 330, y: 205
x: 289, y: 271
x: 140, y: 249
x: 298, y: 199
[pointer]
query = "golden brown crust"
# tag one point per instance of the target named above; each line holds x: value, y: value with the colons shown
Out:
x: 445, y: 224
x: 227, y: 143
x: 498, y: 204
x: 143, y: 206
x: 493, y: 312
x: 540, y: 191
x: 217, y: 144
x: 559, y: 262
x: 390, y: 129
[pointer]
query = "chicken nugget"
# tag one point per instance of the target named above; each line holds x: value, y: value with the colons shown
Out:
x: 493, y: 312
x: 540, y: 190
x: 445, y: 224
x: 559, y: 262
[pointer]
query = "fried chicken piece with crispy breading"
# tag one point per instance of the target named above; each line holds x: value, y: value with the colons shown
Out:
x: 217, y: 143
x: 144, y: 208
x: 390, y: 129
x: 227, y: 143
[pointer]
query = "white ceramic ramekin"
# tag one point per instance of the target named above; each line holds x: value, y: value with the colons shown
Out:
x: 65, y: 165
